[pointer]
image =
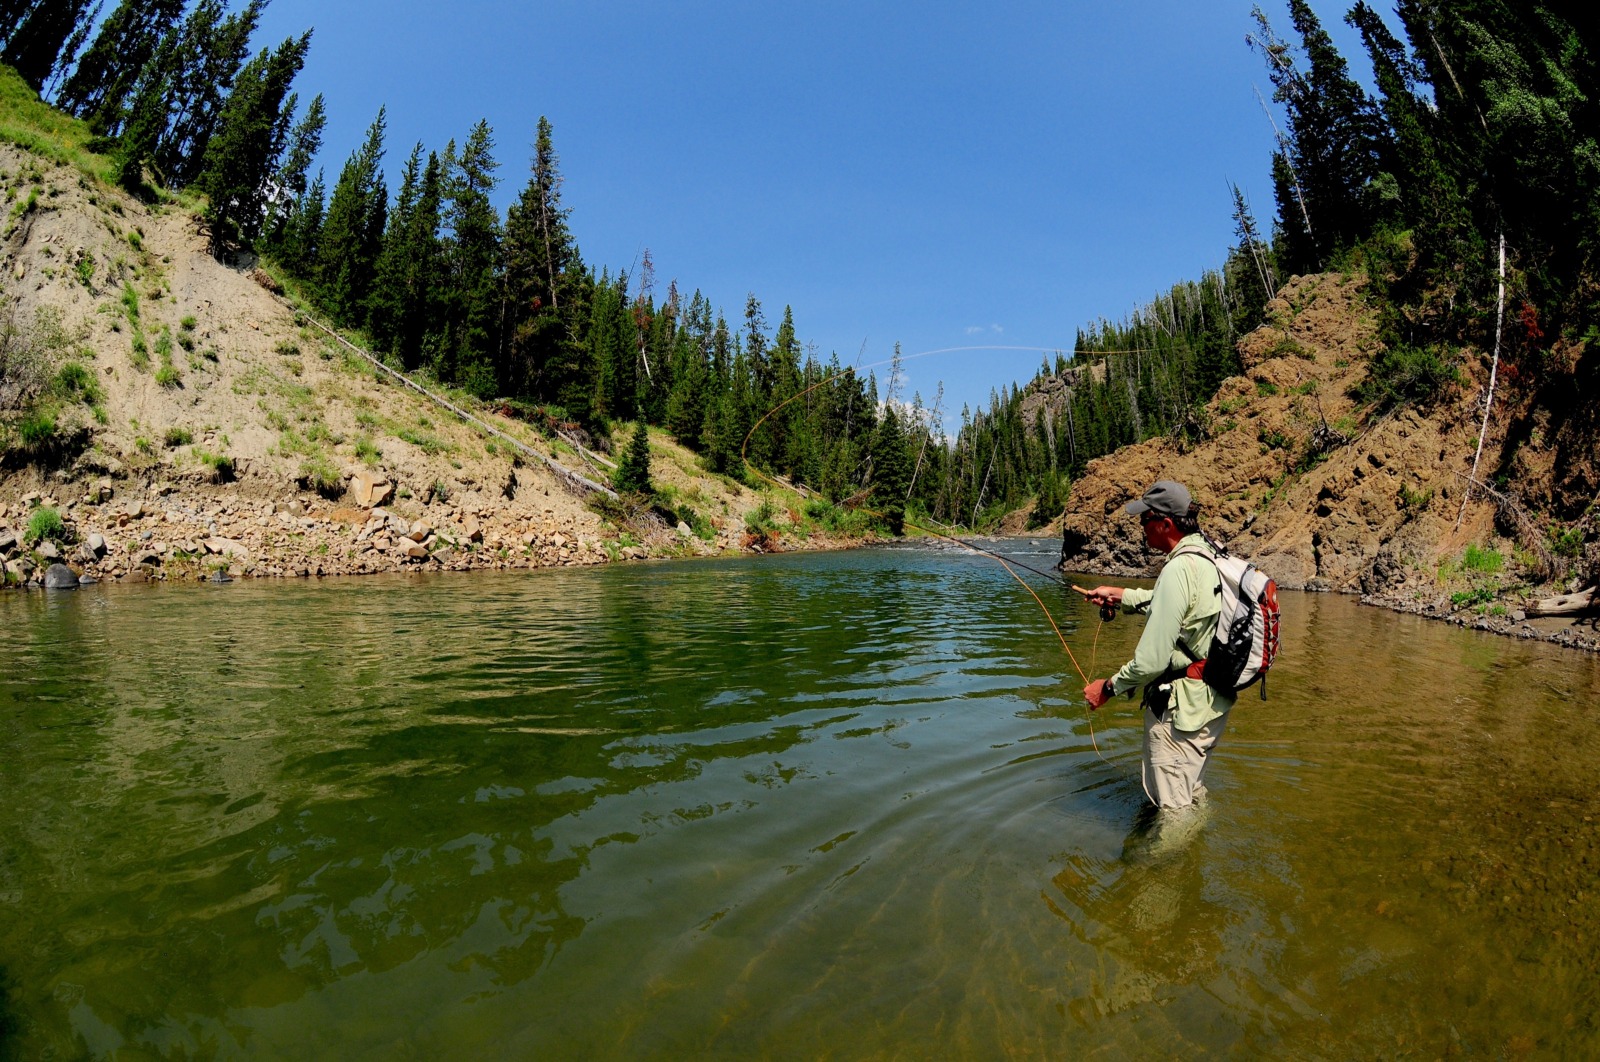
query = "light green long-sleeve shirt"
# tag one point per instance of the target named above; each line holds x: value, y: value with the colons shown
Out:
x: 1185, y: 603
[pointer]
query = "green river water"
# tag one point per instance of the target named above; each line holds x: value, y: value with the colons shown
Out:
x: 833, y: 805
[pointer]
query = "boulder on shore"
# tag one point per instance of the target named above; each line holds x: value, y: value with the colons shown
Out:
x: 369, y: 489
x: 60, y: 577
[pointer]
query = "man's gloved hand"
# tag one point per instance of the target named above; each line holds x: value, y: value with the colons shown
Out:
x: 1098, y: 692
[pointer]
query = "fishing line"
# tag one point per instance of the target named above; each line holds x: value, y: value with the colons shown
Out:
x: 1089, y: 710
x: 1002, y: 561
x: 913, y: 357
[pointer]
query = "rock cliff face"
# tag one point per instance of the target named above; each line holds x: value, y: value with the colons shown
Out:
x: 1319, y: 492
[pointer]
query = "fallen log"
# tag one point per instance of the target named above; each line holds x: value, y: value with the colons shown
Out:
x: 1565, y: 604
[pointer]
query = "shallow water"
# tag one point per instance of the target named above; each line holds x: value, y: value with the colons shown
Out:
x: 833, y: 805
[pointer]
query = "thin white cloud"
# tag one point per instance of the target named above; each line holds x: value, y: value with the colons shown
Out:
x: 978, y: 330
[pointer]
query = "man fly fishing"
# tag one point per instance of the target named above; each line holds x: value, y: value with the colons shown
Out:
x: 1184, y: 717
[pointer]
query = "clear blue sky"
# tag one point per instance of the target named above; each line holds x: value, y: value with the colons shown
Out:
x: 935, y: 174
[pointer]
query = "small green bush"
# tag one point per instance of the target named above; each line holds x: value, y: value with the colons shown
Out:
x: 37, y: 429
x: 44, y: 523
x: 221, y: 465
x: 1476, y: 559
x: 1565, y: 541
x: 1275, y: 439
x: 178, y: 437
x: 74, y: 380
x: 319, y: 474
x: 761, y: 520
x: 1414, y: 501
x: 835, y: 519
x: 1480, y: 595
x: 130, y: 301
x: 702, y: 528
x: 429, y: 444
x: 1402, y: 374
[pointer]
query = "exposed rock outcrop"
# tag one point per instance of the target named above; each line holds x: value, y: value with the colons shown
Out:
x: 1322, y: 495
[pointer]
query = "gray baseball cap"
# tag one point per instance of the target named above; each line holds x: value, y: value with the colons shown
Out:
x: 1164, y: 497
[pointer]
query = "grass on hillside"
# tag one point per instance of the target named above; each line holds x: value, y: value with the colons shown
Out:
x: 33, y: 125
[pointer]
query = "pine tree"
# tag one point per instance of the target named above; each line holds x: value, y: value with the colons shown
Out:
x: 633, y: 471
x: 691, y: 372
x: 614, y: 347
x: 386, y: 304
x: 403, y: 314
x: 472, y: 255
x: 208, y: 56
x: 790, y: 443
x: 289, y: 186
x: 104, y: 79
x: 12, y: 14
x: 891, y: 471
x: 35, y: 46
x: 540, y: 269
x: 353, y: 231
x: 250, y: 137
x: 146, y: 119
x: 300, y: 235
x: 68, y: 57
x: 1335, y: 140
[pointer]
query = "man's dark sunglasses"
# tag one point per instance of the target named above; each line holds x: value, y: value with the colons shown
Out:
x: 1148, y: 518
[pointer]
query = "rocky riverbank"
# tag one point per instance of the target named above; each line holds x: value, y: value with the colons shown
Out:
x: 126, y: 533
x: 196, y: 425
x: 1325, y: 492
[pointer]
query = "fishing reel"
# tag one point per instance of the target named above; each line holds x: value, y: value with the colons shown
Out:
x: 1108, y: 612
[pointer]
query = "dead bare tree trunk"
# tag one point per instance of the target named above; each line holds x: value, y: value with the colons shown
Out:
x: 938, y: 399
x: 978, y: 504
x: 1494, y: 372
x: 1299, y: 194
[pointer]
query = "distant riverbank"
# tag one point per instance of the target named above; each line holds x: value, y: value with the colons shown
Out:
x: 121, y: 531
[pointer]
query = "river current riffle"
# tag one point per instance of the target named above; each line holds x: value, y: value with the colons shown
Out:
x: 840, y: 805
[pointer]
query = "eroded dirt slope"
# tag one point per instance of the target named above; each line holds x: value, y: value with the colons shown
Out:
x: 223, y: 433
x: 1295, y: 475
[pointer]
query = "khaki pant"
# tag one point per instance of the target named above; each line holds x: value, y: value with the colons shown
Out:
x: 1175, y: 760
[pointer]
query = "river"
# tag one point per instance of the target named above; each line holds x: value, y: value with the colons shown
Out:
x: 841, y: 805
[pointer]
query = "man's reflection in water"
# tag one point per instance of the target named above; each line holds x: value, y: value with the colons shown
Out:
x: 1162, y: 834
x: 1155, y: 927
